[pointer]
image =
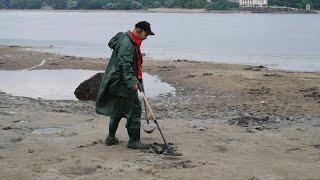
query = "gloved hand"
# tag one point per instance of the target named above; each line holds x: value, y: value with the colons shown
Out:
x: 140, y: 86
x: 135, y: 87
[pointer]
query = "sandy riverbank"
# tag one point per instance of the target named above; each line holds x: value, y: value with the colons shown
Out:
x: 275, y: 117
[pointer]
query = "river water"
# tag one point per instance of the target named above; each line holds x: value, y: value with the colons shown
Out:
x: 281, y: 41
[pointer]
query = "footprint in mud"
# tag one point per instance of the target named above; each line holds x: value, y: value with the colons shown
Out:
x: 7, y: 113
x: 154, y: 168
x: 293, y: 149
x: 190, y: 76
x: 47, y: 131
x: 64, y: 134
x: 7, y: 128
x: 317, y: 146
x: 91, y: 144
x: 259, y: 91
x: 253, y: 178
x: 272, y: 75
x: 16, y: 139
x: 207, y: 74
x: 164, y: 162
x: 221, y: 148
x: 179, y: 165
x: 171, y: 158
x: 166, y: 68
x: 20, y: 121
x: 313, y: 92
x: 78, y: 171
x: 31, y: 150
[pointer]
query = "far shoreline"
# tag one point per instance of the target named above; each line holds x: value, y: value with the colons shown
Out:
x: 44, y: 50
x: 161, y: 10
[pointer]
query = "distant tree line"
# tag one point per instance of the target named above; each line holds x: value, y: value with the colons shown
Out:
x: 115, y: 4
x: 221, y: 5
x: 315, y: 4
x: 142, y: 4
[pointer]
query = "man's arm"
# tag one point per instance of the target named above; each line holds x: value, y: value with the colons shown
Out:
x: 126, y: 64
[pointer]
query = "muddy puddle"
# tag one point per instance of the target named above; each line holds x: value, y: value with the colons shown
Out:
x: 47, y: 131
x: 60, y: 84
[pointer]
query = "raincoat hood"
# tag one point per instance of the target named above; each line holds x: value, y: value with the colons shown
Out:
x: 118, y: 38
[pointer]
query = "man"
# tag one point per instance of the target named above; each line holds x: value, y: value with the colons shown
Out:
x: 118, y: 96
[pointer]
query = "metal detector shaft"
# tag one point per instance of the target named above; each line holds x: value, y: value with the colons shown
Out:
x: 164, y: 140
x: 146, y: 103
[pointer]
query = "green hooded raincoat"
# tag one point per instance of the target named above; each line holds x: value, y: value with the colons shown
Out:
x: 115, y: 97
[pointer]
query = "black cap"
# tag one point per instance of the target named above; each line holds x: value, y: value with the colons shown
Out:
x: 144, y: 25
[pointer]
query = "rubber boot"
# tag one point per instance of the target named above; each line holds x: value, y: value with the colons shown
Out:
x: 134, y: 139
x: 113, y: 126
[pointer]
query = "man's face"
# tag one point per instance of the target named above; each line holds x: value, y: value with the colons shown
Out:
x: 143, y: 35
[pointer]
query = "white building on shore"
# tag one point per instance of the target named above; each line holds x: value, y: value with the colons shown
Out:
x: 253, y: 2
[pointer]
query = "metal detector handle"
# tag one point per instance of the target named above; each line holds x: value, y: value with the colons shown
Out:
x: 141, y: 89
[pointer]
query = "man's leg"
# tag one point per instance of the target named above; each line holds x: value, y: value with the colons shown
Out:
x: 134, y: 126
x: 113, y: 126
